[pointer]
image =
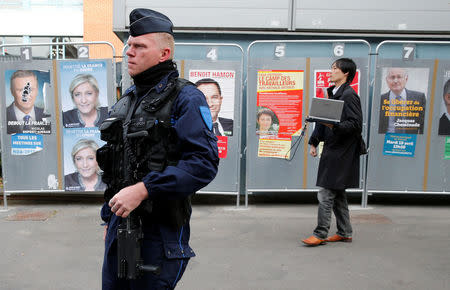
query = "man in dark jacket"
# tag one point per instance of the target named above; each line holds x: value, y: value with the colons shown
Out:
x: 339, y: 163
x: 182, y: 161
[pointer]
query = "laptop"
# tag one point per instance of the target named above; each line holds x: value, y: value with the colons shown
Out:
x: 325, y: 111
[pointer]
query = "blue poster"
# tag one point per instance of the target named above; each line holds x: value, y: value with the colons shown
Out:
x: 399, y: 144
x: 27, y: 100
x: 81, y: 170
x: 26, y: 144
x: 83, y: 93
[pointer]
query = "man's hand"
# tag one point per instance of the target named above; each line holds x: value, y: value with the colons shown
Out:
x: 313, y: 151
x: 328, y: 125
x: 127, y: 199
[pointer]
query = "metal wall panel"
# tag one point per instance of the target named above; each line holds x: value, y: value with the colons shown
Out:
x: 211, y: 14
x: 298, y: 174
x: 383, y: 15
x: 29, y: 172
x: 426, y: 171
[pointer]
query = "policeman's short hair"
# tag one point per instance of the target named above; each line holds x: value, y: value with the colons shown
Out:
x: 347, y: 65
x: 85, y: 78
x: 20, y: 74
x: 208, y: 81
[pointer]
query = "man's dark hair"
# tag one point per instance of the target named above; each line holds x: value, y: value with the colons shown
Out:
x: 347, y: 65
x: 447, y: 88
x: 208, y: 81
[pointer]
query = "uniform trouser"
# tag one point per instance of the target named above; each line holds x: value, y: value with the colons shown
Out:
x: 336, y: 200
x: 153, y: 254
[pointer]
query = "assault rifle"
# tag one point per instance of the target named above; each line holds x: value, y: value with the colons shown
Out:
x: 118, y: 162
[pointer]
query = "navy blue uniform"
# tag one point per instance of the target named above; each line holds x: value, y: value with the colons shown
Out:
x: 163, y: 245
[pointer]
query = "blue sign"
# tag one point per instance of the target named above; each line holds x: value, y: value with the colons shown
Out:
x: 26, y: 144
x: 399, y: 144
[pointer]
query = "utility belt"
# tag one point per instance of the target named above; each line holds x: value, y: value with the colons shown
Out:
x: 173, y: 213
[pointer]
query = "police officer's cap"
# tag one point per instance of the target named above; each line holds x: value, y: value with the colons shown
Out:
x: 143, y: 21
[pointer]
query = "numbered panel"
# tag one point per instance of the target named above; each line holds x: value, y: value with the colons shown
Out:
x: 408, y: 141
x: 282, y: 79
x: 217, y: 71
x: 46, y: 136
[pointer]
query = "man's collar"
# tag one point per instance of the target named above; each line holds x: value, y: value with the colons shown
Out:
x: 393, y: 96
x: 159, y: 86
x: 163, y: 83
x: 19, y: 114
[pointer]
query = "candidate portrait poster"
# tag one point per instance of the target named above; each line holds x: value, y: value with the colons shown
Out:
x: 227, y: 83
x: 403, y: 100
x: 444, y: 112
x: 83, y: 93
x: 279, y: 110
x: 26, y: 94
x: 322, y: 82
x: 80, y: 163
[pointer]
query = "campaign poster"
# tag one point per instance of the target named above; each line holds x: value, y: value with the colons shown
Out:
x: 447, y: 148
x: 81, y: 170
x: 26, y: 96
x: 399, y: 144
x: 279, y: 110
x: 403, y: 100
x: 222, y: 146
x: 322, y: 82
x: 83, y: 93
x: 275, y: 148
x: 444, y: 115
x: 218, y: 86
x: 26, y: 144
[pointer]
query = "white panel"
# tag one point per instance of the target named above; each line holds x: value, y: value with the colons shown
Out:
x: 228, y: 18
x: 380, y: 15
x: 219, y: 4
x: 220, y: 14
x: 373, y: 20
x: 379, y: 5
x: 362, y: 15
x: 53, y: 21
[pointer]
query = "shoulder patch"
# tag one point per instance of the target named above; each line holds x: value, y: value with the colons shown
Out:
x: 206, y: 116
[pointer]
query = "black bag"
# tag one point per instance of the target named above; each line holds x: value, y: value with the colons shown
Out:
x: 362, y: 146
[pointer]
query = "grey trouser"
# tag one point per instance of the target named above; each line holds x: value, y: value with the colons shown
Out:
x: 336, y: 200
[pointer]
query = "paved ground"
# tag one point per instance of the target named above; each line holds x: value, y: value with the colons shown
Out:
x: 395, y: 247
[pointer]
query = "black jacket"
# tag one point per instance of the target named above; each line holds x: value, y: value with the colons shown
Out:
x: 339, y: 163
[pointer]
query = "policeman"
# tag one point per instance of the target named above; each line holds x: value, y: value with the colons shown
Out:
x: 168, y: 129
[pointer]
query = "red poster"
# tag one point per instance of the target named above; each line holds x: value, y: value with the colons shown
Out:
x: 322, y: 82
x: 280, y: 103
x: 222, y: 144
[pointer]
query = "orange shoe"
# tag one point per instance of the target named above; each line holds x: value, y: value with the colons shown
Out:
x: 338, y: 238
x: 313, y: 241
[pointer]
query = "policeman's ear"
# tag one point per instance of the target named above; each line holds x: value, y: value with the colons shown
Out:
x: 165, y: 54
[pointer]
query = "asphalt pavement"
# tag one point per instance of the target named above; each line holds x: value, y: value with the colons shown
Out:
x: 396, y: 245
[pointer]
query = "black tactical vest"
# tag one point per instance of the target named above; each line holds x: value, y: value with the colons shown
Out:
x: 140, y: 138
